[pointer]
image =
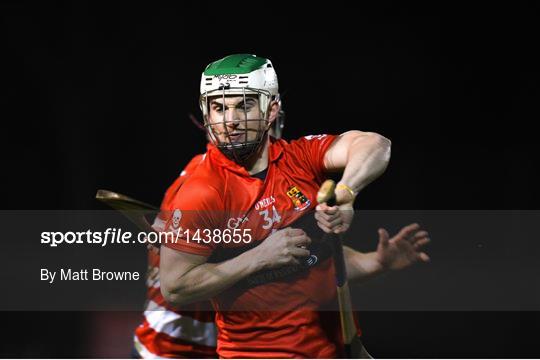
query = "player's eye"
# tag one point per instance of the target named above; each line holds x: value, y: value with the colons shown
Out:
x: 217, y: 108
x: 245, y: 107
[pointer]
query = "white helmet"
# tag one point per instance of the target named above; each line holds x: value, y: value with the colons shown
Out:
x: 240, y: 75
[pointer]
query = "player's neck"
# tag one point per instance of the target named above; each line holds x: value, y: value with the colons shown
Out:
x: 260, y: 160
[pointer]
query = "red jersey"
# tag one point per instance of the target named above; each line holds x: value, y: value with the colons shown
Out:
x: 278, y: 318
x: 169, y: 332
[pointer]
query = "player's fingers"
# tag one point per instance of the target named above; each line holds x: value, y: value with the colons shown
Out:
x: 294, y: 261
x: 332, y: 210
x: 327, y: 217
x: 327, y: 209
x: 322, y: 207
x: 324, y: 228
x: 341, y: 228
x: 408, y: 231
x: 423, y: 257
x: 322, y: 217
x: 383, y: 237
x: 294, y: 231
x: 418, y: 235
x: 332, y: 222
x: 299, y: 252
x: 300, y: 240
x: 421, y: 242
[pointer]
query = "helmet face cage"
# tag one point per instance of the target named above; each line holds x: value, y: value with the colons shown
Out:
x: 241, y: 150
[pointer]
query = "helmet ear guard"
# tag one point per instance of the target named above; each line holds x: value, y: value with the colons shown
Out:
x: 276, y: 128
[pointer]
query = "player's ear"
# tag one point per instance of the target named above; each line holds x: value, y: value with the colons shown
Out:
x: 274, y: 111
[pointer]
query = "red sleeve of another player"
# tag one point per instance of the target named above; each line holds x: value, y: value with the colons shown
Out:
x: 311, y: 149
x: 194, y: 212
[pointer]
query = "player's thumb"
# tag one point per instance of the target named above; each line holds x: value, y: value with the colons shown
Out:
x: 383, y: 237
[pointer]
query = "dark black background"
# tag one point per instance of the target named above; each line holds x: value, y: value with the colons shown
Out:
x: 98, y: 96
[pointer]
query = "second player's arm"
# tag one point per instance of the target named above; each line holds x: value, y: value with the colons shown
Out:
x: 396, y: 253
x: 361, y: 266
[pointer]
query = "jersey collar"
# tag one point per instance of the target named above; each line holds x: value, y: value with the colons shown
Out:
x: 274, y: 152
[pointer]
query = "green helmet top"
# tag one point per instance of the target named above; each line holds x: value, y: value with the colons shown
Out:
x: 239, y: 74
x: 235, y: 64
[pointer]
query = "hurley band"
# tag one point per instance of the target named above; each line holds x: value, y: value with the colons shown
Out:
x: 345, y: 187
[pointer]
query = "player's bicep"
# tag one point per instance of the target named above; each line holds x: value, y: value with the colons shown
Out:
x: 336, y: 157
x: 174, y: 265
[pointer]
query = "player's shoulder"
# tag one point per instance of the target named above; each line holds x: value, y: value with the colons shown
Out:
x: 304, y: 142
x: 202, y: 189
x: 193, y: 164
x: 206, y: 173
x: 182, y: 177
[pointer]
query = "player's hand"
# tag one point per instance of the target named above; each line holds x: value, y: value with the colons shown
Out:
x: 284, y: 247
x: 404, y: 249
x: 334, y: 219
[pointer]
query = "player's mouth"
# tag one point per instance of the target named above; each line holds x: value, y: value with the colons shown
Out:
x: 237, y: 136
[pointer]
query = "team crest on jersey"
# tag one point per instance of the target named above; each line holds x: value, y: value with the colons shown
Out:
x: 299, y: 200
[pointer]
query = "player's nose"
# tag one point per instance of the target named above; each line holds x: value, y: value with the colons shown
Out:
x: 232, y: 116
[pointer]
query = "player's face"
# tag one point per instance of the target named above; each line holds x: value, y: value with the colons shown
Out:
x: 235, y: 119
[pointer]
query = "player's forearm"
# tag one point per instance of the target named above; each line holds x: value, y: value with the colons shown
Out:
x: 207, y: 280
x: 368, y: 155
x: 361, y: 266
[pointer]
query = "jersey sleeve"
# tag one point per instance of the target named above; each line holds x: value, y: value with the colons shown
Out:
x: 310, y: 150
x: 192, y: 214
x: 184, y: 175
x: 165, y: 207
